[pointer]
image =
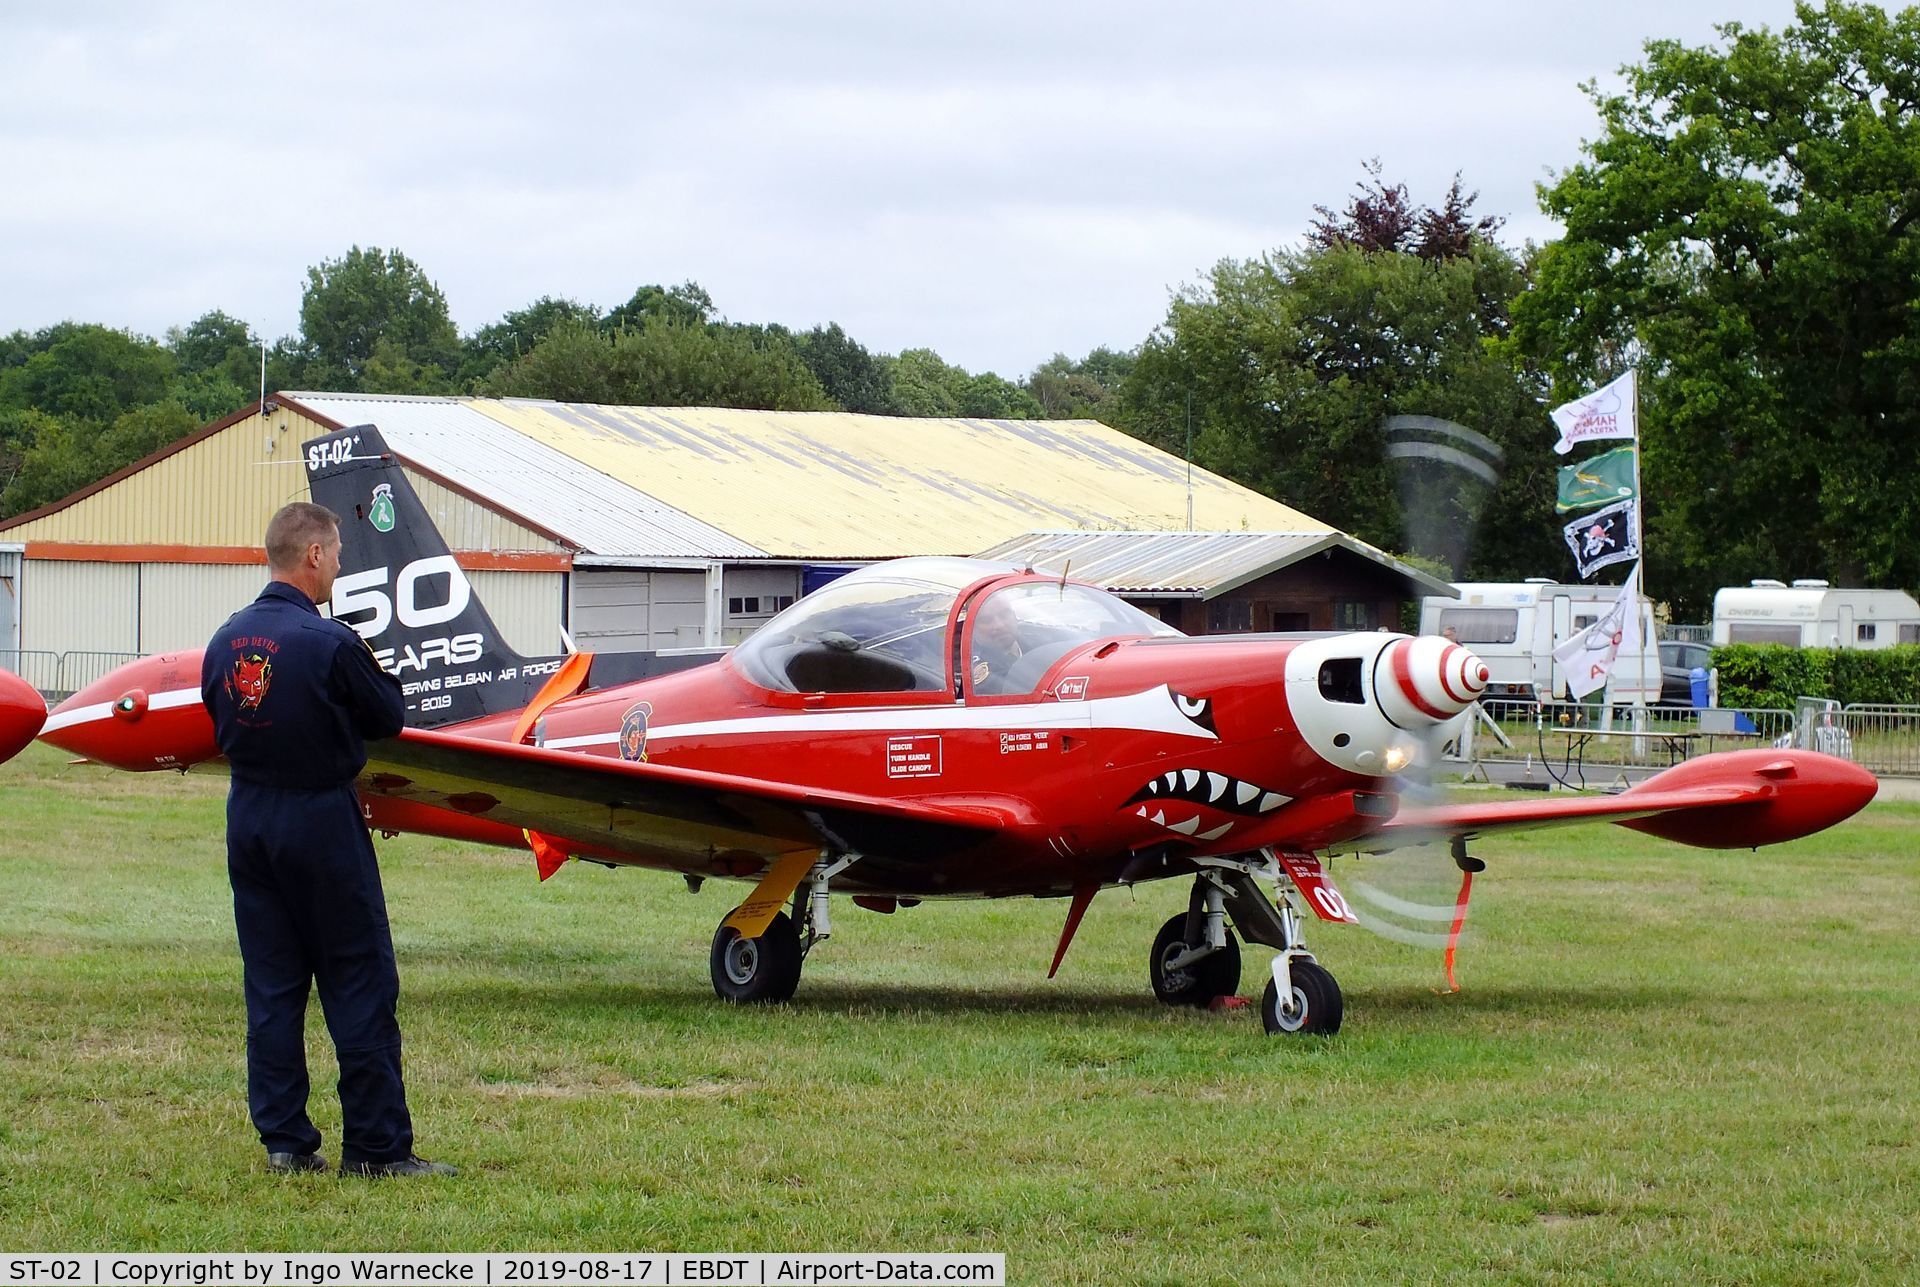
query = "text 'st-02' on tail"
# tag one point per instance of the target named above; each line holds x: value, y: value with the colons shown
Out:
x: 402, y: 590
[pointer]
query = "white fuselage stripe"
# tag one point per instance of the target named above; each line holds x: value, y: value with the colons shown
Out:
x: 104, y: 710
x: 1152, y: 711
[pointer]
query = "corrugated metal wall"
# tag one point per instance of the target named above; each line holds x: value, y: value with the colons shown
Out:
x: 222, y: 490
x: 468, y: 526
x: 219, y: 491
x: 9, y: 600
x: 629, y: 610
x: 753, y: 596
x: 88, y: 607
x: 182, y: 603
x: 526, y: 606
x: 157, y: 607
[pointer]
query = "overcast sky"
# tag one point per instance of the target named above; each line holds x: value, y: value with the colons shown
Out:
x: 998, y: 182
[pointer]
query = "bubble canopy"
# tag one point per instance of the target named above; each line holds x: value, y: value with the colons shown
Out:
x: 883, y: 628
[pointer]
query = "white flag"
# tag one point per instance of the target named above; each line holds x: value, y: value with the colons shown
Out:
x: 1587, y: 659
x: 1607, y: 412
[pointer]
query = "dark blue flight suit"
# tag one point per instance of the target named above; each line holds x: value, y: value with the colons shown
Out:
x: 293, y: 695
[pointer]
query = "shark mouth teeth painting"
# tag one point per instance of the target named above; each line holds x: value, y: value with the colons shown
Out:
x: 1214, y: 790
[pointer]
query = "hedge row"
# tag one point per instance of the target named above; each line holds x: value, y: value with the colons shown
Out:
x: 1771, y: 676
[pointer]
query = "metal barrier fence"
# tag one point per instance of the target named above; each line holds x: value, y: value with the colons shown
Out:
x: 1587, y: 740
x: 1686, y: 634
x: 41, y: 669
x: 60, y: 674
x: 1882, y: 738
x: 78, y: 669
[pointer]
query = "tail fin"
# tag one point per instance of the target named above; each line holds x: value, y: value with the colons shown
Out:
x: 402, y: 590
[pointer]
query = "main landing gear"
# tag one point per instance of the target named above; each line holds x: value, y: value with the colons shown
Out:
x: 765, y: 970
x: 1196, y: 957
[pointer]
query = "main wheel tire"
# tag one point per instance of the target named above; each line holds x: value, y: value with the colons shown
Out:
x: 1316, y: 999
x: 763, y: 970
x: 1214, y: 975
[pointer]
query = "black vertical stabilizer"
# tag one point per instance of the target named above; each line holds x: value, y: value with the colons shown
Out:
x: 400, y: 587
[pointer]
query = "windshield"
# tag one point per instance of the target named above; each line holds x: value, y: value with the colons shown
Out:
x: 1021, y: 630
x: 882, y: 629
x: 876, y: 630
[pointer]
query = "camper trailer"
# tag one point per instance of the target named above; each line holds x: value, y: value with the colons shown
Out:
x: 1515, y: 626
x: 1812, y: 614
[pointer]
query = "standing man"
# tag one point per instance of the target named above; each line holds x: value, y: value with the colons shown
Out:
x: 293, y: 695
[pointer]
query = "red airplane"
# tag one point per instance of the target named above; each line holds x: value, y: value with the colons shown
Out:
x: 921, y: 729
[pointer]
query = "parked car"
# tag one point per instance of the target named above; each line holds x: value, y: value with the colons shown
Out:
x: 1677, y: 663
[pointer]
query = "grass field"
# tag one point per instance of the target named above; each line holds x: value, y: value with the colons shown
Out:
x: 1665, y: 1065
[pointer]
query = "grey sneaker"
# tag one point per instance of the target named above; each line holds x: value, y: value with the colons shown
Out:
x: 412, y: 1164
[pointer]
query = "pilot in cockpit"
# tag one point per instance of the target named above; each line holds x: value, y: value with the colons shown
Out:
x: 996, y: 644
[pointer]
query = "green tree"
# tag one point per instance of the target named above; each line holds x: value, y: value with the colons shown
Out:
x: 218, y: 360
x: 516, y: 334
x: 1746, y: 230
x: 1083, y: 390
x: 1289, y: 366
x: 663, y: 363
x: 353, y: 303
x: 687, y: 304
x: 924, y: 384
x: 88, y: 373
x: 855, y: 378
x: 58, y: 455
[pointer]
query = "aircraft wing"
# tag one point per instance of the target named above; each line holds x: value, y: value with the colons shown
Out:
x: 1734, y: 800
x: 656, y: 813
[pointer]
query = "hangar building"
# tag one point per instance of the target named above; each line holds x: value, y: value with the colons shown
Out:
x: 633, y: 527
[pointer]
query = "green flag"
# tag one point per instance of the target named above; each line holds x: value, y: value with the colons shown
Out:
x: 1601, y: 481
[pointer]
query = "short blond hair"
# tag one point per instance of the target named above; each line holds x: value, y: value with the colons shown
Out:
x: 296, y: 527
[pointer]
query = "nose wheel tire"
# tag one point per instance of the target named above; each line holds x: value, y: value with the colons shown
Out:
x: 1316, y: 1003
x: 763, y: 970
x: 1196, y: 983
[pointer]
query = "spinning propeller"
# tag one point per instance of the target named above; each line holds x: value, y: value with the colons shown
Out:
x: 1445, y: 475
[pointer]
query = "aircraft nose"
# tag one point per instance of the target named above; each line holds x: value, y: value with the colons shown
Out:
x: 22, y: 712
x: 1427, y: 680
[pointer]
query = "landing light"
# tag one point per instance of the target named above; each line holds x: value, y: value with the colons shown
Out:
x: 1397, y: 758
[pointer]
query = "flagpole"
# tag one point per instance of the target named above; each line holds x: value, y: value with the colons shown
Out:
x: 1640, y: 516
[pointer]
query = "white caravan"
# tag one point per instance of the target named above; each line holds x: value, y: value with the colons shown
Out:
x: 1812, y: 614
x: 1515, y: 626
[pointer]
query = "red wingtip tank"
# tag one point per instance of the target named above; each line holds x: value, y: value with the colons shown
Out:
x: 22, y: 713
x: 1810, y: 792
x: 145, y: 715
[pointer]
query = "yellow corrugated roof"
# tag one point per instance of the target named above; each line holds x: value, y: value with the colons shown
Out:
x: 817, y: 484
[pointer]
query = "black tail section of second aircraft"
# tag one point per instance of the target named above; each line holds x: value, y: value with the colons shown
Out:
x: 401, y: 588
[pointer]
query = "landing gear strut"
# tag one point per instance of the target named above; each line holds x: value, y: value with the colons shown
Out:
x: 1195, y: 956
x: 1301, y: 996
x: 765, y: 970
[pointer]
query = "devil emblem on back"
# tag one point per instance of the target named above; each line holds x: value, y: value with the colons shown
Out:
x: 252, y: 675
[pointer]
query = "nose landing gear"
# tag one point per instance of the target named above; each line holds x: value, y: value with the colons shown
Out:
x: 1301, y: 996
x: 1196, y: 957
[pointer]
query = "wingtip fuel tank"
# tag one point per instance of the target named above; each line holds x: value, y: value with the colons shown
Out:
x: 22, y: 713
